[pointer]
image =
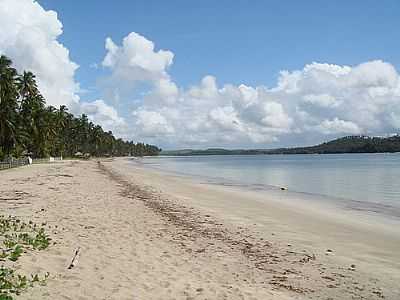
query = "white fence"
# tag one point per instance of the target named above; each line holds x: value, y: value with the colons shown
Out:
x: 47, y: 160
x: 14, y: 163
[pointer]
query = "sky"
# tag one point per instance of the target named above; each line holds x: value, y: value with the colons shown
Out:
x: 198, y: 74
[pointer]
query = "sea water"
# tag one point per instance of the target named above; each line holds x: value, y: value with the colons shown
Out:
x: 370, y: 181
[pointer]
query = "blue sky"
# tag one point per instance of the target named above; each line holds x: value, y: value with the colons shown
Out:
x: 236, y: 41
x: 248, y: 74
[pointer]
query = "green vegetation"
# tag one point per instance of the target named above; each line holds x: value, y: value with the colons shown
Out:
x: 18, y: 237
x: 27, y: 125
x: 348, y: 144
x: 12, y: 283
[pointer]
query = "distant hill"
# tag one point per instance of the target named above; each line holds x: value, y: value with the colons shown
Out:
x: 348, y: 144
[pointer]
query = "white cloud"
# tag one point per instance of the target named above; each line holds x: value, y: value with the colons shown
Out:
x: 320, y: 99
x: 394, y: 119
x: 29, y: 36
x: 374, y: 74
x: 225, y: 118
x: 101, y: 113
x: 337, y: 126
x: 136, y: 59
x: 152, y: 123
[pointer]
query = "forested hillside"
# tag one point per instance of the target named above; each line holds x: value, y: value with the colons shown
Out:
x: 348, y: 144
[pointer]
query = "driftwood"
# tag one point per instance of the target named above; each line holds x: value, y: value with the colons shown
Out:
x: 71, y: 265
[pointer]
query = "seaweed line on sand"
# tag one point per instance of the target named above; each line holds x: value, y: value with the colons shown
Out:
x: 299, y: 272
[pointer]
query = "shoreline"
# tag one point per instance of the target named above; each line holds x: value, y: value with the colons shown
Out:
x: 355, y: 197
x: 144, y: 235
x: 361, y: 230
x: 379, y: 213
x: 355, y: 237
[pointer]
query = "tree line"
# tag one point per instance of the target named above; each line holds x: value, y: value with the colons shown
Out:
x: 347, y: 144
x: 29, y: 127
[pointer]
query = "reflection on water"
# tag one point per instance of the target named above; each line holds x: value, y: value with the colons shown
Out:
x: 371, y: 178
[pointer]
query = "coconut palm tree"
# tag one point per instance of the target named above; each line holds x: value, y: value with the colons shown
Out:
x: 8, y: 106
x: 27, y: 85
x: 28, y: 125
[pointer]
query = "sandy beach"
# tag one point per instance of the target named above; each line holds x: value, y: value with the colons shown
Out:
x: 143, y: 234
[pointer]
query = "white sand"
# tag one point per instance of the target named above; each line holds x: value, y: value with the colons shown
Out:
x: 144, y: 235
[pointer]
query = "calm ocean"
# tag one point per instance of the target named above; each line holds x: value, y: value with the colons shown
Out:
x: 371, y: 180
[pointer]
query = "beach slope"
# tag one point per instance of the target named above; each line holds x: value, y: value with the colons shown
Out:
x: 135, y: 238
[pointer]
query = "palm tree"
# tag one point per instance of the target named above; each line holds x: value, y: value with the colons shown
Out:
x: 27, y: 124
x: 8, y: 106
x: 61, y: 124
x: 27, y: 85
x: 30, y: 101
x: 97, y: 138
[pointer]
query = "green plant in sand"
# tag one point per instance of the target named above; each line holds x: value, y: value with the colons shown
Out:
x: 18, y: 237
x: 13, y: 284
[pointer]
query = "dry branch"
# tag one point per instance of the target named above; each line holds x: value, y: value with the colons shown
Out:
x: 71, y: 265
